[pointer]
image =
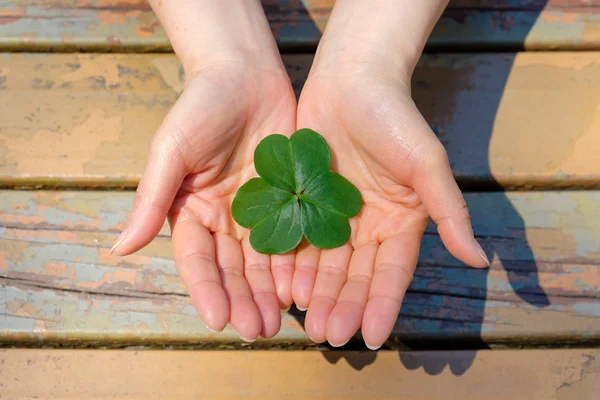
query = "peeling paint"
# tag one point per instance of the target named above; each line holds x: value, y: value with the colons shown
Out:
x: 103, y: 139
x: 56, y: 269
x: 171, y: 71
x: 293, y: 324
x: 105, y: 257
x: 587, y: 384
x: 21, y: 308
x: 110, y: 17
x: 444, y: 300
x: 3, y: 260
x: 90, y: 68
x: 295, y: 23
x: 97, y: 128
x: 11, y: 16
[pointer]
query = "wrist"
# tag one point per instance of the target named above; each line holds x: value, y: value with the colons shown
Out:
x: 384, y: 37
x: 206, y: 32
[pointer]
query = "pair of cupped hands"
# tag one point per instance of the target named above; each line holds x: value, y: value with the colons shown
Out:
x: 203, y: 152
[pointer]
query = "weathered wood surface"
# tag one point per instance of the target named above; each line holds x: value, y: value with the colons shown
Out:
x: 59, y: 284
x: 310, y: 375
x: 529, y: 120
x: 84, y: 120
x: 514, y: 25
x: 130, y: 25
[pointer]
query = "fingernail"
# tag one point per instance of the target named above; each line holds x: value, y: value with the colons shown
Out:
x: 120, y: 240
x: 373, y: 347
x: 481, y: 252
x: 301, y: 308
x: 339, y: 345
x: 210, y: 329
x: 284, y: 310
x: 246, y: 340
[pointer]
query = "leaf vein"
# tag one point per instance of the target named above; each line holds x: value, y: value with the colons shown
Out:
x: 283, y: 165
x: 276, y: 210
x: 303, y: 198
x: 293, y: 166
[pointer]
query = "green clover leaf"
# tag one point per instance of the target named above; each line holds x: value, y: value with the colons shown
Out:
x: 296, y: 195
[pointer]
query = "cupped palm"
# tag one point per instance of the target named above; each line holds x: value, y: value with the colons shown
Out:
x: 201, y: 154
x: 382, y: 144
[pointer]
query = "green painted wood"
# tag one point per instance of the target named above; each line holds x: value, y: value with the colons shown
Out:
x: 59, y: 283
x: 130, y: 25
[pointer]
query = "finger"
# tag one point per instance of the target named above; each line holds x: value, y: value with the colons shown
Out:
x: 346, y: 317
x: 445, y: 203
x: 244, y: 315
x: 305, y: 273
x: 394, y: 268
x: 194, y: 250
x: 282, y: 268
x: 158, y: 186
x: 257, y: 269
x: 331, y: 276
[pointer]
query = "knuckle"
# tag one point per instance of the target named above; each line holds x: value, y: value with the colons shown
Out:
x: 357, y: 305
x: 256, y: 267
x: 170, y: 142
x: 433, y: 157
x: 331, y: 270
x: 310, y: 267
x: 283, y: 268
x: 197, y: 256
x: 231, y: 271
x: 436, y: 156
x: 323, y: 298
x: 238, y: 298
x: 263, y: 294
x: 394, y: 298
x: 360, y: 278
x: 203, y: 285
x: 404, y: 273
x: 463, y: 210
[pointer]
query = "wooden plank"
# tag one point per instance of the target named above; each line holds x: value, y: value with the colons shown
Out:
x: 525, y: 120
x: 130, y: 25
x: 85, y: 120
x: 147, y: 375
x: 127, y: 25
x: 59, y: 284
x: 550, y: 29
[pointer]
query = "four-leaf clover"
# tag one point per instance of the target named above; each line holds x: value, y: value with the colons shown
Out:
x: 296, y: 195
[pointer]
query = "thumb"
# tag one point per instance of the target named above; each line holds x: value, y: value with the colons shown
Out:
x: 435, y: 185
x: 156, y: 191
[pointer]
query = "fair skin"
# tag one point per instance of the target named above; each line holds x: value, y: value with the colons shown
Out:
x: 358, y: 97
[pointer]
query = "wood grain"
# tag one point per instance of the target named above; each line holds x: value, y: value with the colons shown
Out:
x: 147, y: 375
x: 93, y: 116
x: 130, y: 25
x: 59, y: 284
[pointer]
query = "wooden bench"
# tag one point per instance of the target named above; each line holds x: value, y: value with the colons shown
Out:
x: 82, y: 90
